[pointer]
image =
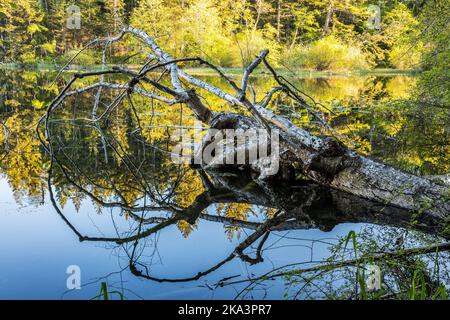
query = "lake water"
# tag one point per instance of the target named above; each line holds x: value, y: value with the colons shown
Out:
x: 100, y: 171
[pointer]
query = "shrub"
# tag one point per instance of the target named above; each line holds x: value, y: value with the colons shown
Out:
x: 87, y: 57
x: 249, y: 43
x: 327, y: 54
x: 406, y: 56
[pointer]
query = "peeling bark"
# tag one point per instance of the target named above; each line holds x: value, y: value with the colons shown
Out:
x: 328, y: 162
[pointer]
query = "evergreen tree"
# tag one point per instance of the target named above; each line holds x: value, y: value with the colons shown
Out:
x: 22, y: 32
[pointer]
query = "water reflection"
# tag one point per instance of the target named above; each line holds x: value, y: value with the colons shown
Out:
x: 128, y: 173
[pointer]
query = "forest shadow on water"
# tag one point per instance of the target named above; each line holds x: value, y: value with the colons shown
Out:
x: 109, y: 198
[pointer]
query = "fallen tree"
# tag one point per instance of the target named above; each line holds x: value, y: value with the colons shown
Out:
x: 326, y: 161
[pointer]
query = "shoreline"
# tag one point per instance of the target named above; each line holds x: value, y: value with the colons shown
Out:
x: 201, y: 71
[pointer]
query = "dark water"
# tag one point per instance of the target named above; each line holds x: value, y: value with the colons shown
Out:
x: 85, y: 207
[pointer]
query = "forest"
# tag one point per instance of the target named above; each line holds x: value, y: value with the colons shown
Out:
x: 315, y: 34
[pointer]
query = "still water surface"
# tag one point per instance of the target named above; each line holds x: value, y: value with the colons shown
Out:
x: 38, y: 229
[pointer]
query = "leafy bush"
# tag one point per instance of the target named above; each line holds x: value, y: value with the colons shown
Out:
x: 85, y: 58
x: 249, y: 43
x: 406, y: 56
x: 328, y: 54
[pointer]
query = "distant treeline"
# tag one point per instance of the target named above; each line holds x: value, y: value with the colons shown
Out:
x: 313, y: 34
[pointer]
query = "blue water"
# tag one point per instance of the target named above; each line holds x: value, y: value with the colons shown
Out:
x: 36, y: 248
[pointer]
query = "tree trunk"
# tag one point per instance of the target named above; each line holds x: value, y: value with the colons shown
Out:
x: 279, y: 20
x: 326, y: 26
x: 328, y: 162
x: 325, y: 161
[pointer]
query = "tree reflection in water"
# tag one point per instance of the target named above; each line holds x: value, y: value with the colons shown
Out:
x: 120, y: 168
x: 129, y: 171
